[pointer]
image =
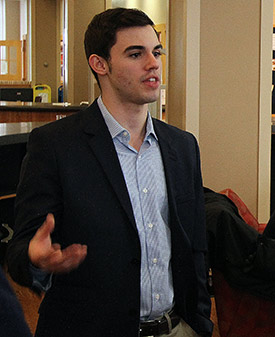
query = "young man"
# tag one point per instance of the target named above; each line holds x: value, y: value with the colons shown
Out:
x: 126, y: 186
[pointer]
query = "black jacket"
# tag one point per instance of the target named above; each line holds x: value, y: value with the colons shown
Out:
x: 246, y: 258
x: 72, y: 170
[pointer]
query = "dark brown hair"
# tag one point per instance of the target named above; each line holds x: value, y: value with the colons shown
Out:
x: 100, y: 35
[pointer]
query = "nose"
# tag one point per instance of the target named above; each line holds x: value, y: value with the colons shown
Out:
x: 152, y: 62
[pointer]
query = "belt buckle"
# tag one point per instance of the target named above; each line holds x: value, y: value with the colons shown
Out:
x: 159, y: 324
x: 147, y: 336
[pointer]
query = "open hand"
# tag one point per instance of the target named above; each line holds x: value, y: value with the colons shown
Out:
x: 50, y: 257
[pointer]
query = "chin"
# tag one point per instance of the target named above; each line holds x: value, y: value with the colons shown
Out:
x: 151, y: 98
x: 145, y: 99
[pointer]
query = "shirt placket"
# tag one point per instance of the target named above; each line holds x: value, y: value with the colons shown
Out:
x: 152, y: 257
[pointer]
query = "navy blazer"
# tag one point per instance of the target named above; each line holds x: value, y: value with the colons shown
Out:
x: 12, y: 321
x: 72, y: 170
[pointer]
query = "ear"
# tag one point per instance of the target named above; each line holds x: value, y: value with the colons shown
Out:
x: 98, y: 64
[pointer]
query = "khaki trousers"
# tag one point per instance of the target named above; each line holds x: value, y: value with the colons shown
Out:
x: 181, y: 330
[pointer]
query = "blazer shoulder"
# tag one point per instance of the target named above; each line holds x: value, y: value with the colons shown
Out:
x: 70, y: 125
x: 162, y: 128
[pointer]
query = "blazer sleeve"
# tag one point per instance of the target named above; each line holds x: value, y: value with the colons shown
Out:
x: 38, y: 193
x: 205, y: 325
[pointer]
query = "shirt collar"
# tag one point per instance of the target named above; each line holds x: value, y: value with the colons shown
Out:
x: 116, y: 129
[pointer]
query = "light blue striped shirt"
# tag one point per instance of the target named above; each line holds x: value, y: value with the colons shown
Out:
x: 144, y: 175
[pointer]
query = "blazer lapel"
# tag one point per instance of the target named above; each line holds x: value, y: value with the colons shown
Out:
x: 170, y: 160
x: 101, y: 143
x: 169, y: 156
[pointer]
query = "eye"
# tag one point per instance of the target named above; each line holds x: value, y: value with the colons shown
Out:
x: 135, y: 55
x: 157, y: 53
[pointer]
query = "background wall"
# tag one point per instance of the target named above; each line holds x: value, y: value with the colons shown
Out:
x: 229, y: 68
x: 230, y: 94
x: 155, y: 9
x: 81, y: 13
x: 13, y: 26
x: 45, y: 35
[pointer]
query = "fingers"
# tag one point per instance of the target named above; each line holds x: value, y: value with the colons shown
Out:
x: 56, y: 246
x: 63, y: 261
x: 46, y: 229
x: 40, y: 245
x: 50, y: 257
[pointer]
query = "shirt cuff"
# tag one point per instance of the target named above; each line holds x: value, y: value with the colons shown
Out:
x: 41, y: 279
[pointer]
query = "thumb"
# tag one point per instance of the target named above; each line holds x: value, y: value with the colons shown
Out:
x: 47, y: 228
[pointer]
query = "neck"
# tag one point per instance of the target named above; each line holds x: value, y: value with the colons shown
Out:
x: 132, y: 117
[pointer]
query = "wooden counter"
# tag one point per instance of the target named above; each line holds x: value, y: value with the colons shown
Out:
x: 13, y: 112
x: 39, y: 107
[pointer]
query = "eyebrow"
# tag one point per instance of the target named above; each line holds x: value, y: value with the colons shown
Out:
x: 138, y: 47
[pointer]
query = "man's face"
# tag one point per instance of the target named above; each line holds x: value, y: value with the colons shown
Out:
x: 135, y: 66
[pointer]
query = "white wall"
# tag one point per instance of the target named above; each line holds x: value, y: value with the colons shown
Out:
x: 233, y: 91
x: 235, y: 96
x: 13, y: 20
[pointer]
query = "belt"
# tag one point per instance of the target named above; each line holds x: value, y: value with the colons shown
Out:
x: 159, y: 326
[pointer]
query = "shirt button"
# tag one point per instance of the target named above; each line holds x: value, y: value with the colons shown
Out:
x: 150, y: 225
x: 125, y: 133
x: 145, y: 190
x: 157, y: 297
x: 155, y: 260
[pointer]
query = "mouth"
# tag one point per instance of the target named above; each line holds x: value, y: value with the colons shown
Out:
x: 152, y: 81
